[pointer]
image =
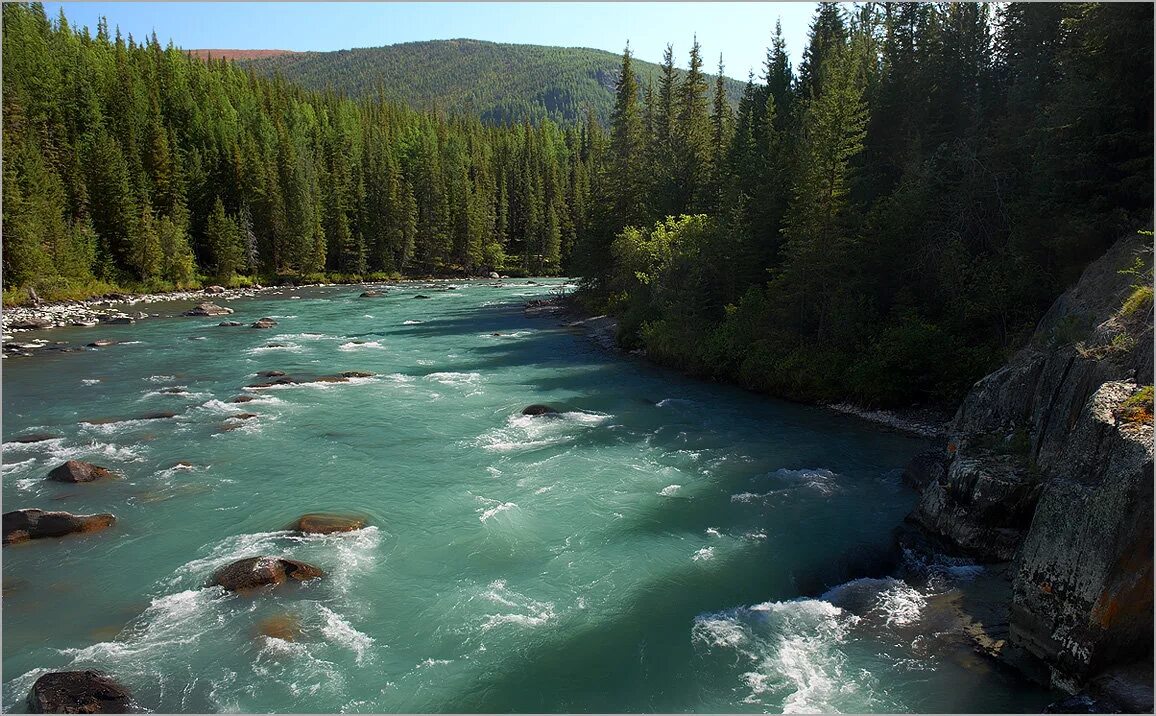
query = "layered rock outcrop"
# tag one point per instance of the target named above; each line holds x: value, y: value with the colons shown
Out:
x: 1049, y: 464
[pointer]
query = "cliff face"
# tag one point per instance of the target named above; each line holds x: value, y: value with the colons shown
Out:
x: 1049, y: 464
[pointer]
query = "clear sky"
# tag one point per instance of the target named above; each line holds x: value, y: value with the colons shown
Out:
x: 741, y: 31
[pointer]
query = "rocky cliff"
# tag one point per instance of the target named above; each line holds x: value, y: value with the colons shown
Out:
x: 1048, y: 464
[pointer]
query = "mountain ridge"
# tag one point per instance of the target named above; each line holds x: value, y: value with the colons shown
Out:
x: 501, y: 83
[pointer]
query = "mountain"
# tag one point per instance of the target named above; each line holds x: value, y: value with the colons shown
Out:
x: 498, y: 82
x: 238, y: 54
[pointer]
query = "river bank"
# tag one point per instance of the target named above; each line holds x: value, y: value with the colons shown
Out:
x: 603, y: 331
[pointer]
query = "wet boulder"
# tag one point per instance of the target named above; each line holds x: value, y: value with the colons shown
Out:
x: 371, y: 294
x: 79, y: 692
x: 118, y: 320
x: 538, y: 409
x: 215, y: 289
x: 286, y: 627
x: 23, y: 525
x: 79, y: 471
x: 265, y: 322
x: 420, y: 295
x: 159, y: 415
x: 241, y: 399
x: 256, y: 572
x: 323, y: 523
x: 230, y: 324
x: 207, y: 308
x: 355, y: 374
x: 102, y: 343
x: 34, y: 438
x: 270, y: 373
x: 242, y: 416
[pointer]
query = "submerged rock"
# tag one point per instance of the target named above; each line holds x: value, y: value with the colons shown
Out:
x: 264, y: 323
x: 286, y: 627
x: 79, y: 692
x: 208, y: 309
x: 256, y: 572
x: 159, y: 415
x: 371, y: 294
x: 323, y: 523
x: 270, y: 373
x: 421, y: 296
x: 355, y: 374
x: 241, y: 399
x: 538, y: 409
x: 34, y: 438
x: 102, y: 343
x: 242, y: 416
x: 22, y: 525
x: 79, y: 471
x: 230, y: 324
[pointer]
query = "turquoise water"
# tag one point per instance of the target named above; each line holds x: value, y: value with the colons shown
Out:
x: 663, y: 545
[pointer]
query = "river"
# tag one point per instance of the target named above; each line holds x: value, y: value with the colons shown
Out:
x: 661, y: 545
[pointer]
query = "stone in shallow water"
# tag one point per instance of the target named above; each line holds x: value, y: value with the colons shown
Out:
x: 79, y: 692
x: 22, y: 525
x: 79, y: 471
x: 323, y: 523
x: 264, y: 323
x: 286, y: 627
x: 538, y: 409
x: 256, y: 572
x: 208, y: 309
x: 34, y: 438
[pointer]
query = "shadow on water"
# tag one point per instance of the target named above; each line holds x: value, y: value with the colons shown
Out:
x: 629, y: 660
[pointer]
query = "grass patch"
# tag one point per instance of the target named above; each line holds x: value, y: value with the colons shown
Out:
x: 1138, y: 408
x: 1139, y: 300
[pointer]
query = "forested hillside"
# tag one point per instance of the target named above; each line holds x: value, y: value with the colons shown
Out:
x: 499, y: 83
x: 890, y: 220
x: 131, y: 164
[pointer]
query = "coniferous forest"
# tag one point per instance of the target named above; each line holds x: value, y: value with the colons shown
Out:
x: 882, y: 219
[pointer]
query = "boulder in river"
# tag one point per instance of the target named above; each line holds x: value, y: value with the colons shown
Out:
x: 102, y: 343
x: 241, y: 399
x: 79, y: 471
x: 208, y: 308
x: 79, y: 692
x: 256, y: 572
x: 355, y: 374
x: 494, y: 274
x: 371, y: 294
x: 119, y: 320
x: 264, y: 323
x: 30, y: 324
x: 215, y: 289
x: 270, y: 373
x: 538, y: 409
x: 230, y: 324
x: 33, y: 437
x: 323, y: 523
x: 22, y: 525
x: 286, y: 627
x: 159, y: 415
x: 242, y: 416
x: 420, y: 295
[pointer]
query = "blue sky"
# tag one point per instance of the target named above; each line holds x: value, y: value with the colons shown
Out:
x: 741, y: 31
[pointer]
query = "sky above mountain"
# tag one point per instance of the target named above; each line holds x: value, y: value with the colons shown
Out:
x: 740, y: 31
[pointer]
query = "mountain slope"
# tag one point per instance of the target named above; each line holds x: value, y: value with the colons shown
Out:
x: 498, y: 82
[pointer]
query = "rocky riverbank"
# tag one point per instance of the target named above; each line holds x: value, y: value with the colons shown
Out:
x: 109, y: 308
x: 1048, y: 468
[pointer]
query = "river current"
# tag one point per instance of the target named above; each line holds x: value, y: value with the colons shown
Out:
x: 662, y: 545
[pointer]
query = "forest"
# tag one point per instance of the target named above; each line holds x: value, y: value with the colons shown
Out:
x: 886, y: 223
x: 883, y: 222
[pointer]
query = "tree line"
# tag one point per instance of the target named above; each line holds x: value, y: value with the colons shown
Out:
x: 131, y: 164
x: 888, y: 221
